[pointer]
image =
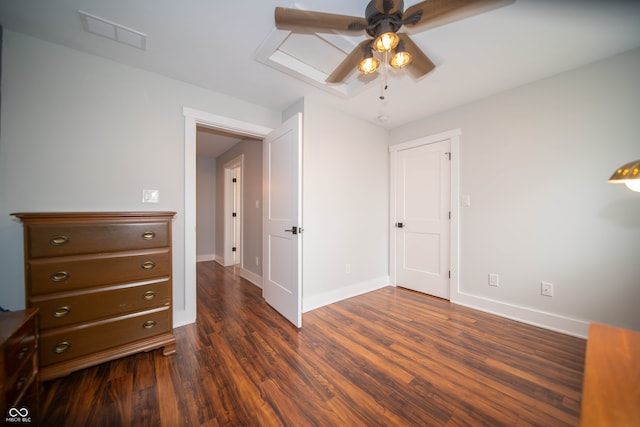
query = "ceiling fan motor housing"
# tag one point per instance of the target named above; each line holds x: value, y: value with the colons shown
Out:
x: 381, y: 21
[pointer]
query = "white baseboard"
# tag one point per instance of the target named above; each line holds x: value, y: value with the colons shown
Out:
x: 326, y: 298
x: 551, y: 321
x: 206, y: 257
x: 251, y: 277
x: 182, y: 318
x: 219, y: 260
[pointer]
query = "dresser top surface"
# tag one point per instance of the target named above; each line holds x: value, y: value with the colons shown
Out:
x: 12, y: 320
x: 66, y: 216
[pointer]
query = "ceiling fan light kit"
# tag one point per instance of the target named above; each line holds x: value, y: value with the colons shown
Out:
x: 629, y: 175
x: 368, y: 65
x: 401, y: 58
x: 382, y: 22
x: 386, y: 42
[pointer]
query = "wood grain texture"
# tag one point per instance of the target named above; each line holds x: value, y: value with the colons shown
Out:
x: 611, y: 394
x: 387, y: 358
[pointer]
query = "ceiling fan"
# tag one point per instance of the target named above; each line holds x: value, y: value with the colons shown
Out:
x: 382, y: 22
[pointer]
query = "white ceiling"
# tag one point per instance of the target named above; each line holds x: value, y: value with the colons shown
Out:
x: 213, y: 44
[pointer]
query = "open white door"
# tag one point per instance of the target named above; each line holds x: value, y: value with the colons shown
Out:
x: 282, y: 255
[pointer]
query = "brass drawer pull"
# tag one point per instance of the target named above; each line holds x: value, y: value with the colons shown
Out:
x: 60, y: 276
x: 148, y: 265
x: 23, y: 352
x: 61, y: 311
x: 148, y: 235
x: 61, y: 347
x: 59, y: 240
x: 21, y: 382
x: 149, y: 295
x: 149, y: 324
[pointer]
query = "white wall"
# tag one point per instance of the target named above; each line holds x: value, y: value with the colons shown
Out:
x: 345, y: 205
x: 83, y: 133
x: 535, y: 161
x: 205, y: 208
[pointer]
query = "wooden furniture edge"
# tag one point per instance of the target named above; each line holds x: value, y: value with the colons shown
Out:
x: 87, y: 216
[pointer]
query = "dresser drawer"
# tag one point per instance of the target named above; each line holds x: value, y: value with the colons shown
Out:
x: 50, y: 275
x: 68, y: 343
x: 24, y: 378
x: 20, y: 347
x: 100, y: 303
x: 50, y: 240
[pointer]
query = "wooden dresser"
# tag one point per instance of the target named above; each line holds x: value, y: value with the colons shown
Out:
x: 19, y: 365
x: 611, y: 385
x: 102, y: 282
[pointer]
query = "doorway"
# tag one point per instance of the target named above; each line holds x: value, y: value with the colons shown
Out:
x: 286, y: 154
x: 185, y: 302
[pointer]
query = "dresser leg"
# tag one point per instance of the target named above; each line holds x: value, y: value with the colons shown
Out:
x: 169, y: 349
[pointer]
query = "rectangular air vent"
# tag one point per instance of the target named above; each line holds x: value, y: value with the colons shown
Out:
x: 113, y: 31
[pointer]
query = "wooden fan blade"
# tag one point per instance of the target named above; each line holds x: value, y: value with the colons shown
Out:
x: 349, y: 63
x: 389, y: 7
x: 305, y: 21
x: 435, y: 13
x: 420, y: 63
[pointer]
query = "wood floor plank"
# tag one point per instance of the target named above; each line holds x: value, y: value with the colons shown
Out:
x: 392, y: 357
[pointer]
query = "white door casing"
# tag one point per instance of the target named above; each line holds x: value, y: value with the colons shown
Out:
x: 424, y: 222
x: 282, y: 216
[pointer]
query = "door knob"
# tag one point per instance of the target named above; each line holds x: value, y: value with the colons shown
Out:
x: 294, y: 230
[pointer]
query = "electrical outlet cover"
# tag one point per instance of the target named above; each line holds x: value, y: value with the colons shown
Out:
x: 546, y: 289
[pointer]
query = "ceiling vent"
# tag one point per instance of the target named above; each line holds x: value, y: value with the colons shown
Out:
x: 113, y: 31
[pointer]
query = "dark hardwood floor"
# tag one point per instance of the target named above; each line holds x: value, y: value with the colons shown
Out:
x: 388, y: 358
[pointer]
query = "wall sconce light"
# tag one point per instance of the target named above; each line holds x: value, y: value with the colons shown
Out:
x: 629, y: 175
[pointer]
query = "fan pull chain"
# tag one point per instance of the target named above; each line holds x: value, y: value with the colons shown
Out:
x: 383, y: 86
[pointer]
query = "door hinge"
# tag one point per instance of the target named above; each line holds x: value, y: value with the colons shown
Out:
x: 233, y: 249
x: 234, y: 214
x: 399, y: 225
x: 449, y: 274
x: 448, y: 153
x: 235, y: 180
x: 449, y: 214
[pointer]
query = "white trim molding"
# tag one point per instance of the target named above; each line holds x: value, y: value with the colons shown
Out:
x: 252, y: 277
x: 530, y: 316
x: 206, y: 257
x: 326, y: 298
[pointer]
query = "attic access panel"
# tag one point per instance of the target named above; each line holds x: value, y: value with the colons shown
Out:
x: 312, y: 58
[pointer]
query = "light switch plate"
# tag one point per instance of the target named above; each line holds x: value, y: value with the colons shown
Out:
x: 494, y: 279
x: 150, y: 196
